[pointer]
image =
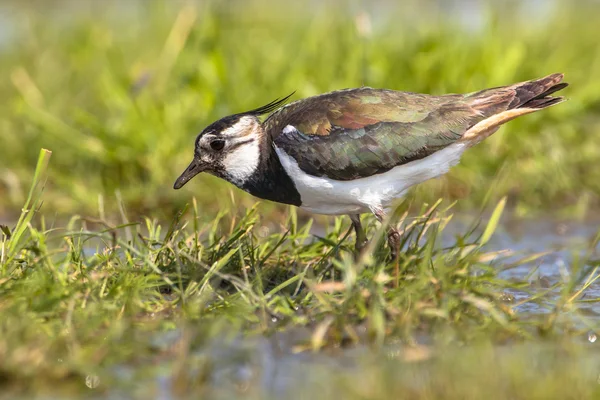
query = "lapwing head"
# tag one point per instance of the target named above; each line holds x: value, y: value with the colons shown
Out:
x: 229, y: 148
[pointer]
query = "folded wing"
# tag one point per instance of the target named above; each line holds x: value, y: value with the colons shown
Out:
x: 357, y: 133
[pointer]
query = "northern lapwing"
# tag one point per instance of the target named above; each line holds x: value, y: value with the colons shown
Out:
x: 354, y: 151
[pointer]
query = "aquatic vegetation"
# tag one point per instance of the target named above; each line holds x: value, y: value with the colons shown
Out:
x: 81, y: 300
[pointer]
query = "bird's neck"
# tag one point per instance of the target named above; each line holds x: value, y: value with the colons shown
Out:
x: 270, y: 181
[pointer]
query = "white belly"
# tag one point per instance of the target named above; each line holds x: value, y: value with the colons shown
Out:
x: 328, y: 196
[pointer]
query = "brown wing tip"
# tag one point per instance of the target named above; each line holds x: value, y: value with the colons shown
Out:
x: 553, y: 78
x: 547, y: 81
x: 536, y: 93
x: 544, y: 102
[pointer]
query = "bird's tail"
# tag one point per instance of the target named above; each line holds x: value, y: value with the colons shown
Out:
x: 536, y: 94
x: 500, y: 105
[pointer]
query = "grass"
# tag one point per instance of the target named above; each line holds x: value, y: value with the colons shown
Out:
x: 234, y: 298
x: 82, y: 302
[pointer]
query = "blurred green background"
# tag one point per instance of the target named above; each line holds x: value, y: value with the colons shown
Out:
x: 119, y: 89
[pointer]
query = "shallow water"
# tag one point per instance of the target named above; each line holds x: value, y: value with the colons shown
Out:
x: 559, y: 239
x: 270, y: 367
x: 562, y: 241
x: 261, y: 368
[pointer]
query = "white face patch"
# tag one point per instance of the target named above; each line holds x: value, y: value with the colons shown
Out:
x: 240, y: 153
x: 241, y: 161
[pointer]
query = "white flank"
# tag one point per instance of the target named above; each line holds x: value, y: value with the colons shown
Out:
x: 328, y: 196
x: 241, y: 162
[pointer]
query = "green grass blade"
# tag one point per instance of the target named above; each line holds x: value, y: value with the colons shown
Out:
x: 32, y: 204
x: 493, y: 222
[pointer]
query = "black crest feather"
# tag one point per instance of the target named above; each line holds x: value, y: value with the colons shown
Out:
x: 268, y: 108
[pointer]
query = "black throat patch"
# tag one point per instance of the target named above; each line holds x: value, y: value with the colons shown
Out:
x: 270, y: 181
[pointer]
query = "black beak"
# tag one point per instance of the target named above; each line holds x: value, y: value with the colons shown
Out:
x: 191, y: 171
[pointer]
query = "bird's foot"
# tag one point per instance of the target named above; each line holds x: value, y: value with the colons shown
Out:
x: 393, y: 236
x: 394, y: 243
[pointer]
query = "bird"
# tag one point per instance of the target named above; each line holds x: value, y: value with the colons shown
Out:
x: 359, y: 150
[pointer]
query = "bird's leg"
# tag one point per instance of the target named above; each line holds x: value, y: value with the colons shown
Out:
x: 361, y: 238
x: 393, y: 236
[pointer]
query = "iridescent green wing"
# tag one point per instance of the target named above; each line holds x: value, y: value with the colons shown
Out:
x: 357, y: 133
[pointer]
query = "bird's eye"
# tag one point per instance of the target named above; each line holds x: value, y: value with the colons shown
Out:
x: 217, y: 144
